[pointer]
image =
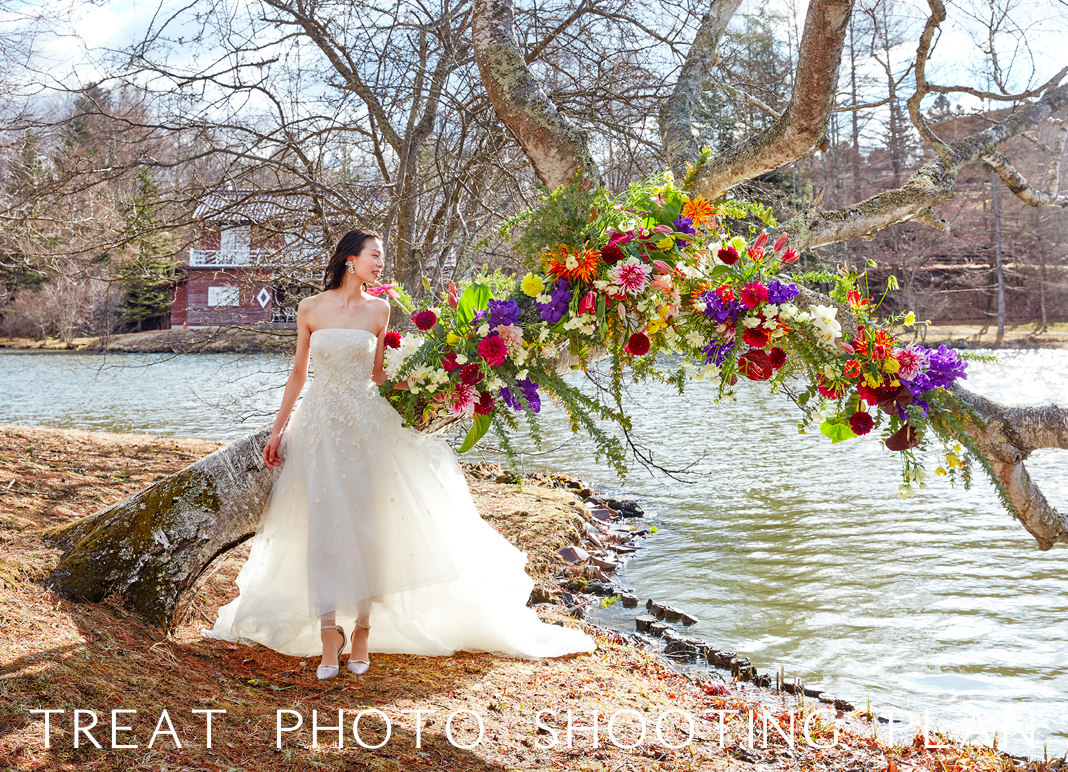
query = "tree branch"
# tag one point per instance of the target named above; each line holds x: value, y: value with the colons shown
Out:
x: 555, y: 147
x: 932, y: 184
x: 676, y: 113
x: 802, y: 128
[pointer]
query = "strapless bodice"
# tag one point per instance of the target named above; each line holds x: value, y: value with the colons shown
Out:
x: 343, y: 354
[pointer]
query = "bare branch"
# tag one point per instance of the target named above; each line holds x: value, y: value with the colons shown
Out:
x: 676, y: 113
x: 802, y: 129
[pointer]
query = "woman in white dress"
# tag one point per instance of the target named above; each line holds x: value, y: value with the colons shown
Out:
x: 369, y: 520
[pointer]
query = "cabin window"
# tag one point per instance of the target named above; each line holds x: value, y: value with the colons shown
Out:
x: 224, y: 296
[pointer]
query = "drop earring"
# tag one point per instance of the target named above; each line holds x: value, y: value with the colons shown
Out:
x: 348, y: 267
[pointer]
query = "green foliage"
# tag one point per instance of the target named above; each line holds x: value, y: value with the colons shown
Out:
x: 575, y: 215
x: 146, y: 277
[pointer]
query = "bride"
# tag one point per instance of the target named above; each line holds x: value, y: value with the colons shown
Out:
x: 368, y: 520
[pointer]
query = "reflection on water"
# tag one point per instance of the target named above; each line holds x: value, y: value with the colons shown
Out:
x: 788, y: 549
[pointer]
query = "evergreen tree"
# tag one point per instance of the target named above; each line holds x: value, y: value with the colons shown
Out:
x: 146, y: 277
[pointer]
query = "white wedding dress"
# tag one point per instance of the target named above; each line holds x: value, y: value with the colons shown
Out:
x: 366, y: 513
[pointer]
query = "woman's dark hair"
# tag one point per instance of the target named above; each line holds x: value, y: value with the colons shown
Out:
x: 351, y: 245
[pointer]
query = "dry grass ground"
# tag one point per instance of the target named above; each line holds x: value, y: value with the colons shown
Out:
x: 1027, y: 335
x: 82, y: 656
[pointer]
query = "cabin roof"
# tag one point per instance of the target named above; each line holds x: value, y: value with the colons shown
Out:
x: 258, y: 206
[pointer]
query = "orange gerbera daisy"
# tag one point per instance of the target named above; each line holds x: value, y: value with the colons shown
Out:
x: 575, y: 265
x: 699, y: 211
x: 700, y: 290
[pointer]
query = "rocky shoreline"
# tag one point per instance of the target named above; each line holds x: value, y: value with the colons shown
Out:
x: 588, y: 578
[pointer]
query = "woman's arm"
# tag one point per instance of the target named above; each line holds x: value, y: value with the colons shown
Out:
x: 294, y: 385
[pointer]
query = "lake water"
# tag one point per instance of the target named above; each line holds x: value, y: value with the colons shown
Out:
x: 794, y: 552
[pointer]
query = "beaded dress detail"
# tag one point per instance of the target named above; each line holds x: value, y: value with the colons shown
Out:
x: 366, y: 511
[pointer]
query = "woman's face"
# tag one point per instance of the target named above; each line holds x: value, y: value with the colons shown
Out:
x: 370, y: 262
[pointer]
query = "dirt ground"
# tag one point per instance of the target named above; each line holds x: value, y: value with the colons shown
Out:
x: 63, y: 656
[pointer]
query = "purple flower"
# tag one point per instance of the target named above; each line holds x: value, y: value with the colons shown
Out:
x: 530, y: 394
x: 719, y: 311
x: 553, y: 311
x: 684, y: 225
x: 944, y: 367
x: 781, y: 292
x: 716, y: 353
x: 503, y: 312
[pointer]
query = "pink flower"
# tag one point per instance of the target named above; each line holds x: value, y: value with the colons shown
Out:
x: 619, y: 239
x: 780, y: 243
x: 761, y: 240
x: 393, y: 339
x: 753, y: 294
x: 663, y: 229
x: 383, y: 289
x: 661, y: 266
x: 462, y: 400
x: 789, y: 256
x: 454, y: 296
x: 493, y: 350
x: 630, y: 277
x: 512, y: 337
x: 912, y: 360
x: 662, y: 283
x: 588, y: 304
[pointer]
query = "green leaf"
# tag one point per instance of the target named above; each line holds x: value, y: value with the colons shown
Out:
x: 671, y: 208
x: 475, y: 298
x: 838, y: 432
x: 719, y: 271
x: 478, y: 429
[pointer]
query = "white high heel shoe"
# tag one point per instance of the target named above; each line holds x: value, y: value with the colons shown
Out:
x: 359, y: 666
x: 330, y: 671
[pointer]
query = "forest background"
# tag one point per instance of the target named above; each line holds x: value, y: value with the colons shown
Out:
x: 346, y: 114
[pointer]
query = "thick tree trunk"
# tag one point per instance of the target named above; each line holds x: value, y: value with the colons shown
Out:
x: 155, y: 547
x: 555, y: 147
x: 1007, y: 435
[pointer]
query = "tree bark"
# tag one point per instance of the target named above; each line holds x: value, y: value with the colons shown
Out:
x: 1007, y: 435
x: 676, y: 114
x: 932, y: 184
x: 555, y: 147
x: 802, y: 129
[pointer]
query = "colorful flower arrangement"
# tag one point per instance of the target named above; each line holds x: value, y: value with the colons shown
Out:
x: 654, y: 272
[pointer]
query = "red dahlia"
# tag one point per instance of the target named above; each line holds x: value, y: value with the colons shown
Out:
x: 777, y: 357
x: 755, y: 365
x: 393, y: 339
x: 612, y: 254
x: 757, y: 337
x: 425, y: 319
x: 485, y: 403
x: 638, y: 345
x: 728, y: 255
x: 449, y: 363
x: 861, y: 422
x: 470, y: 374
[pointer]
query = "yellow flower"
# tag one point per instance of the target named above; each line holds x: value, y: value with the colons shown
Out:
x: 871, y: 381
x: 452, y: 338
x: 653, y: 326
x: 952, y: 460
x: 940, y: 471
x: 666, y: 243
x: 532, y: 285
x: 891, y: 365
x: 910, y: 318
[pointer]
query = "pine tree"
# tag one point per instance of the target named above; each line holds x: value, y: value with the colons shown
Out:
x: 146, y: 278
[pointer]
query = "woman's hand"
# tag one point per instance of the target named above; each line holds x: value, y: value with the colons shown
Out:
x: 401, y: 385
x: 271, y: 458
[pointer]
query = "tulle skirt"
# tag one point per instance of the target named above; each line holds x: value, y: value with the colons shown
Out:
x: 367, y: 516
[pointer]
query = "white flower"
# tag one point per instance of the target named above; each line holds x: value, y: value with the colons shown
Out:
x: 393, y: 359
x: 788, y: 310
x: 752, y: 321
x: 827, y: 327
x: 769, y: 310
x: 483, y: 329
x: 495, y: 384
x: 601, y: 284
x: 419, y: 374
x: 695, y: 338
x: 461, y: 359
x: 543, y: 334
x: 521, y: 375
x: 700, y: 306
x: 543, y: 298
x: 670, y: 335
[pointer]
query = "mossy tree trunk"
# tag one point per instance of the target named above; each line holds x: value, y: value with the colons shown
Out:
x: 156, y: 547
